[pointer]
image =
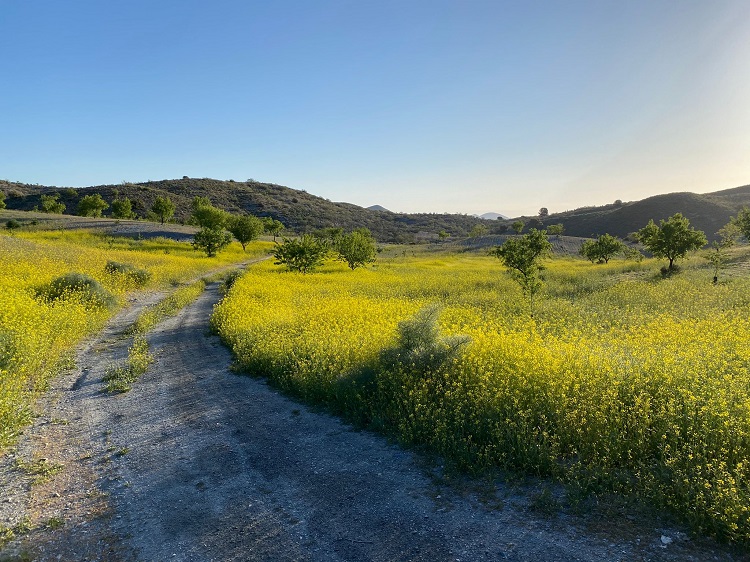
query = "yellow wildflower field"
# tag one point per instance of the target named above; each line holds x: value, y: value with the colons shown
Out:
x: 621, y: 382
x: 36, y: 335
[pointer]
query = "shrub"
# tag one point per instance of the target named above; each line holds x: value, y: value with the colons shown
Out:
x: 138, y: 277
x: 303, y: 255
x: 356, y: 249
x: 211, y: 240
x: 420, y: 347
x: 50, y: 204
x: 92, y: 205
x: 12, y: 224
x: 79, y: 286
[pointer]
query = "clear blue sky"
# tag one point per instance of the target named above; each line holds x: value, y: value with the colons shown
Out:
x: 460, y: 106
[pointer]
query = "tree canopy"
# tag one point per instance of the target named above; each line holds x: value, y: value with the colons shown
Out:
x: 672, y: 238
x: 122, y: 208
x: 92, y: 205
x: 163, y: 208
x: 522, y: 256
x: 357, y: 249
x: 211, y: 240
x: 742, y: 222
x: 602, y: 249
x: 303, y: 254
x: 272, y: 226
x: 50, y: 204
x: 245, y: 228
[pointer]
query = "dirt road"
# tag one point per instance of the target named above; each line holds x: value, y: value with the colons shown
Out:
x: 198, y: 464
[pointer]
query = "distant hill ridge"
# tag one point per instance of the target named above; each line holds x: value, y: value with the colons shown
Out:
x: 303, y: 212
x: 707, y: 212
x: 297, y: 209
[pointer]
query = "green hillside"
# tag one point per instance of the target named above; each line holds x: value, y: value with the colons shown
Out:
x: 297, y: 209
x: 303, y: 212
x: 707, y: 212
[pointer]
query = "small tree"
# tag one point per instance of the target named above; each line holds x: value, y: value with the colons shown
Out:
x: 122, y: 208
x: 556, y: 229
x: 443, y: 235
x: 211, y: 240
x: 303, y: 254
x: 543, y: 212
x: 357, y: 249
x: 208, y: 216
x: 672, y: 239
x: 212, y: 237
x: 522, y: 256
x: 199, y: 202
x: 245, y: 228
x: 2, y: 200
x: 517, y: 226
x: 272, y: 226
x: 12, y: 225
x: 602, y: 249
x: 163, y: 208
x: 742, y: 222
x: 718, y: 255
x: 534, y: 222
x: 50, y: 204
x: 92, y: 205
x: 478, y: 230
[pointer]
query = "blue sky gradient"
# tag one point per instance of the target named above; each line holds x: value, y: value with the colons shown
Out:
x: 462, y: 106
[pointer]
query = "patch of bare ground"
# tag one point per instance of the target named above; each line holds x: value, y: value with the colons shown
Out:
x: 105, y: 225
x: 196, y: 463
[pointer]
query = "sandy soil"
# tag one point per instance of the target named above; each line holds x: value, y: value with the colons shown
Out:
x: 199, y: 464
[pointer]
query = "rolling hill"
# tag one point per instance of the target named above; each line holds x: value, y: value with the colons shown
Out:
x: 304, y: 212
x: 297, y: 209
x: 707, y: 212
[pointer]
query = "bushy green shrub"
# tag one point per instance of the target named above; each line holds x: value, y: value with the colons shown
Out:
x: 139, y: 277
x: 79, y: 286
x: 420, y: 346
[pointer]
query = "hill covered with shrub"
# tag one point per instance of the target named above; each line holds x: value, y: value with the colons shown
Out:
x: 303, y: 212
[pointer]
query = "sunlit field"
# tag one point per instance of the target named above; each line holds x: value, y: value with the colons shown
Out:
x: 38, y: 334
x: 621, y: 382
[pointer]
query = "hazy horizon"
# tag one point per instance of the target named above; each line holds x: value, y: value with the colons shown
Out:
x: 439, y: 106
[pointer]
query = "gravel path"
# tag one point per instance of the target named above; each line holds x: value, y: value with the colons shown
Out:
x: 198, y: 464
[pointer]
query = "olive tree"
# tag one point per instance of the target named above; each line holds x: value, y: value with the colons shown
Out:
x: 92, y: 205
x: 163, y: 208
x: 522, y: 256
x: 602, y: 249
x: 245, y: 228
x: 122, y: 208
x: 718, y: 256
x: 303, y: 254
x: 272, y: 226
x: 742, y: 222
x: 212, y: 236
x: 517, y: 226
x: 556, y: 229
x: 211, y: 240
x: 357, y: 249
x: 478, y: 230
x: 50, y: 204
x: 671, y: 239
